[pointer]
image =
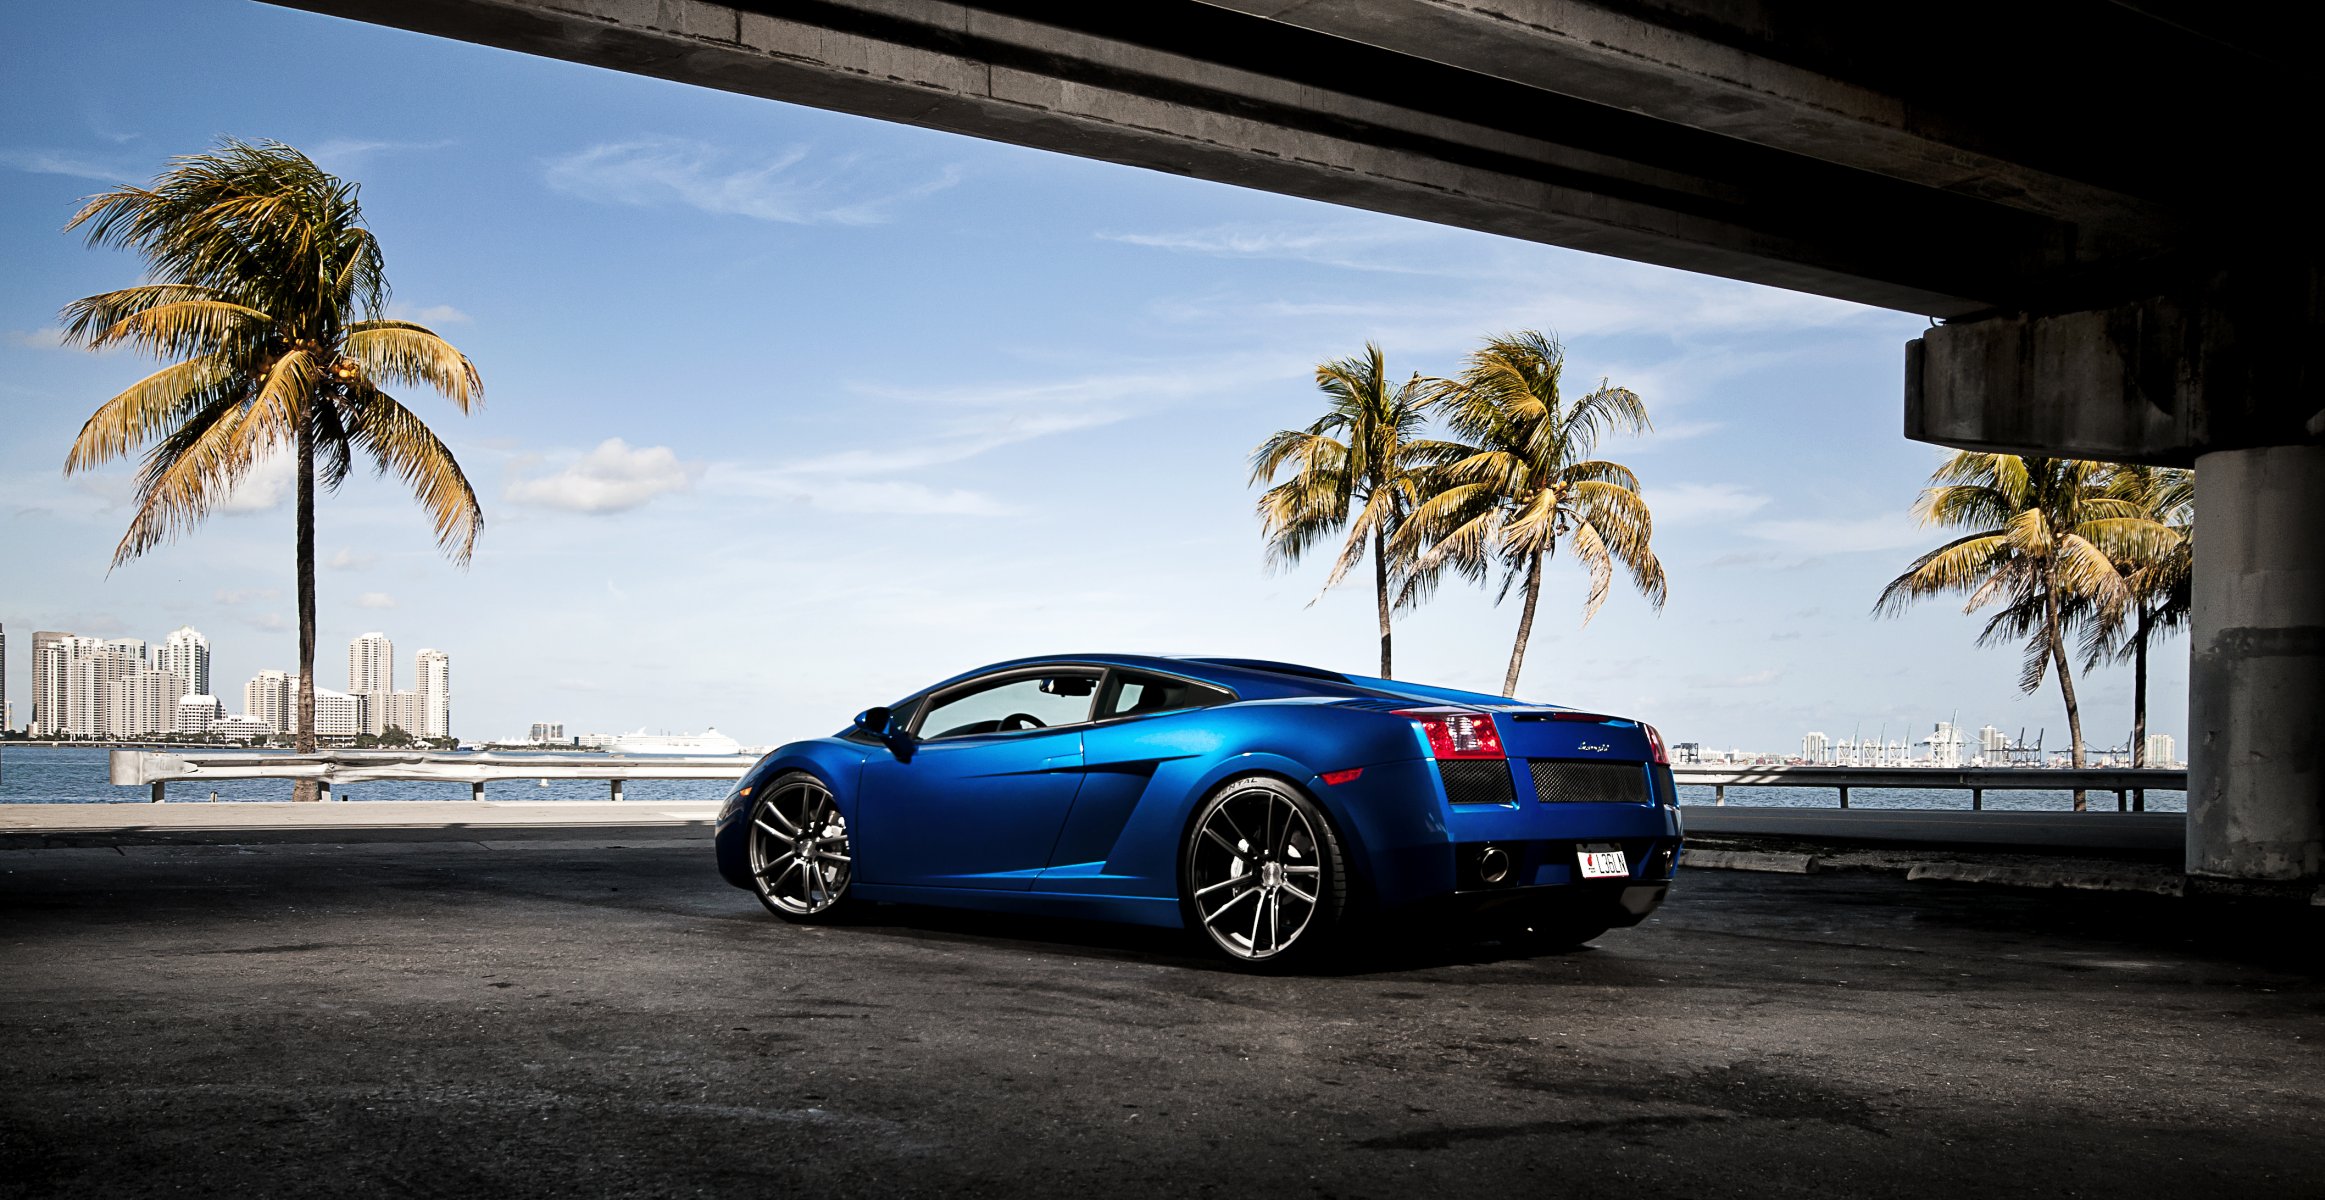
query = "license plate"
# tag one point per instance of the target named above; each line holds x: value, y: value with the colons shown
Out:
x: 1602, y: 861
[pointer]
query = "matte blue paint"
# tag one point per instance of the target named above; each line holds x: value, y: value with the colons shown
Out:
x: 1090, y: 820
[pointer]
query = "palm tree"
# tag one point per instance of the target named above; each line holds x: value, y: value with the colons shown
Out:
x: 2042, y: 532
x: 2158, y: 572
x: 265, y: 287
x: 1356, y: 468
x: 1524, y: 482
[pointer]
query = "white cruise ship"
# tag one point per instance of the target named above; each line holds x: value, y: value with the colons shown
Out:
x: 708, y: 742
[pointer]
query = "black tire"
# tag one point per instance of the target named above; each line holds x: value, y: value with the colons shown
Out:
x: 1262, y: 839
x: 800, y: 858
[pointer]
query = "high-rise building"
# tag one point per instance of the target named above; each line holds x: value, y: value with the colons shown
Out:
x: 197, y: 714
x: 399, y: 710
x: 186, y: 654
x: 267, y: 699
x: 87, y: 669
x: 6, y: 716
x: 1815, y: 748
x: 337, y: 714
x: 371, y: 675
x: 45, y: 713
x: 2162, y: 751
x: 140, y: 702
x: 371, y: 664
x: 435, y: 669
x: 547, y: 731
x: 1992, y: 740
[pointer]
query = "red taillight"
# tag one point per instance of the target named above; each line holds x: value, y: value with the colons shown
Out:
x: 1655, y: 743
x: 1336, y: 778
x: 1460, y: 734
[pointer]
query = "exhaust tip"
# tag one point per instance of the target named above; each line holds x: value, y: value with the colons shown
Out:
x: 1493, y: 864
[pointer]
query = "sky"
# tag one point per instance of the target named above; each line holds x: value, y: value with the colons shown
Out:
x: 789, y: 412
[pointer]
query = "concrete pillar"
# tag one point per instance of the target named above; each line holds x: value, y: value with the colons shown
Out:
x: 2256, y: 679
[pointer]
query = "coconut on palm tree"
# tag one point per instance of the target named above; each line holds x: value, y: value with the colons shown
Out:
x: 1356, y: 468
x: 2042, y: 543
x: 1525, y: 483
x: 266, y: 290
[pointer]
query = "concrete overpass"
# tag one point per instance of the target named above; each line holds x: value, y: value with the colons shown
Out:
x: 2098, y: 198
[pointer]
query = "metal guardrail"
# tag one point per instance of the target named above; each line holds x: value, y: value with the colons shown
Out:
x: 2130, y: 784
x: 134, y: 767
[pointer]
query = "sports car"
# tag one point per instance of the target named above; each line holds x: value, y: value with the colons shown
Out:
x: 1271, y: 806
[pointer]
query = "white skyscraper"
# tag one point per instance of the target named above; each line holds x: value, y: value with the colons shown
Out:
x: 267, y: 699
x: 186, y: 654
x: 1816, y: 748
x: 371, y: 675
x: 435, y: 668
x: 197, y: 713
x: 1992, y: 741
x: 2162, y: 751
x: 371, y: 664
x: 337, y: 714
x: 140, y: 702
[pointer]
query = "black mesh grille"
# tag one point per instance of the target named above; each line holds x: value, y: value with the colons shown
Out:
x: 1589, y: 782
x: 1477, y: 781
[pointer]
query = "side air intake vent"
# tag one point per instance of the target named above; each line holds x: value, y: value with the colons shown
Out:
x: 1478, y: 781
x: 1589, y: 782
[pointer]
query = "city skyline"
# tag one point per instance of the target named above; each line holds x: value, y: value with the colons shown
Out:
x: 94, y: 687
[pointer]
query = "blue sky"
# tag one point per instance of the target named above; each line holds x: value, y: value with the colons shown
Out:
x: 789, y: 412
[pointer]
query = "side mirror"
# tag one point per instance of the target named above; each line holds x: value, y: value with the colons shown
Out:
x: 875, y: 721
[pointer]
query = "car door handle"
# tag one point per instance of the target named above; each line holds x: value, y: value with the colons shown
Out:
x: 1062, y: 762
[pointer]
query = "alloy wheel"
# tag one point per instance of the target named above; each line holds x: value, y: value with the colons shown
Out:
x: 800, y: 859
x: 1255, y: 872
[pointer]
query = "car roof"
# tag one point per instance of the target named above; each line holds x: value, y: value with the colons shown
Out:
x: 1255, y: 678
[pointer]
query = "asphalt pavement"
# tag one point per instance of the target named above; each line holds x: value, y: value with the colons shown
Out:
x: 573, y: 1016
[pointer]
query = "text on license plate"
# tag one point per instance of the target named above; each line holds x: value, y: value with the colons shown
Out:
x: 1602, y: 861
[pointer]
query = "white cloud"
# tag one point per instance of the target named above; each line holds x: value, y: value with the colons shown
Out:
x: 434, y: 314
x: 47, y: 337
x: 1694, y: 503
x: 888, y: 497
x: 51, y: 162
x: 1842, y: 535
x: 348, y: 560
x: 268, y: 483
x: 245, y: 595
x: 787, y: 188
x: 375, y: 600
x: 1365, y: 245
x: 612, y: 478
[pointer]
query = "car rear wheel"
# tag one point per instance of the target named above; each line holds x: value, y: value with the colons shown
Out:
x: 801, y: 861
x: 1265, y: 878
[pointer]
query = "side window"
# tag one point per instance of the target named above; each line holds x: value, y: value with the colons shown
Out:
x: 1135, y: 693
x: 1010, y: 705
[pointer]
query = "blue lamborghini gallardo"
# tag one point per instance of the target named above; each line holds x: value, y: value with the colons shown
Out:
x: 1268, y: 805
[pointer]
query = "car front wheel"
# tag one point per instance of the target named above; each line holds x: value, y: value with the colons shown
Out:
x: 1264, y: 875
x: 801, y: 861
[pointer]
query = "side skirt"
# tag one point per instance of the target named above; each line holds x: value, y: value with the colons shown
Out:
x: 1126, y: 910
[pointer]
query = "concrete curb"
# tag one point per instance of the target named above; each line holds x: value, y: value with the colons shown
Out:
x: 2120, y: 879
x: 1751, y: 860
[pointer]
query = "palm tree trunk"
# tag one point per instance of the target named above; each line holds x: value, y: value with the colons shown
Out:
x: 1525, y: 624
x: 305, y: 743
x: 2139, y: 690
x: 2050, y: 600
x: 1380, y: 587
